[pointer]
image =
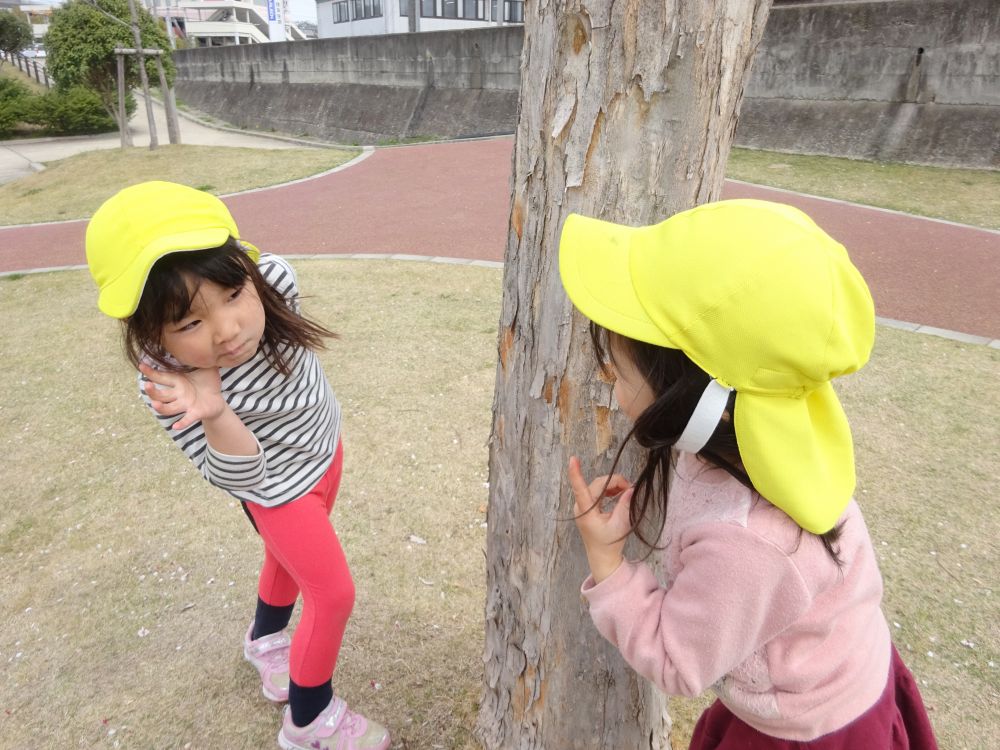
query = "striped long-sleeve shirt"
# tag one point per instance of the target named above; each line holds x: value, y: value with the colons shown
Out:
x: 295, y: 419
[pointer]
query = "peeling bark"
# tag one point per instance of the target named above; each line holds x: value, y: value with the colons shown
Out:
x: 627, y: 113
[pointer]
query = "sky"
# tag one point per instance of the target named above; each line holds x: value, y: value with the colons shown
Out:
x: 300, y: 10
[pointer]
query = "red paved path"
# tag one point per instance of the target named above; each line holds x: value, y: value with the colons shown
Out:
x: 452, y: 200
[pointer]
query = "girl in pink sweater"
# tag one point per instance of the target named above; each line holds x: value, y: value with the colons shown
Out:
x: 722, y: 328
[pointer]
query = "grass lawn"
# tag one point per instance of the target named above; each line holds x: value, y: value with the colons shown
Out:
x: 9, y: 70
x: 968, y: 196
x: 128, y: 581
x: 74, y: 187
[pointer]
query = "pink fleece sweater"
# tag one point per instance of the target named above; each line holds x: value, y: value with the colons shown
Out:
x: 792, y: 645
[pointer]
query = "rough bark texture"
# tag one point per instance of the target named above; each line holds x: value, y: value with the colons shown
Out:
x: 627, y: 113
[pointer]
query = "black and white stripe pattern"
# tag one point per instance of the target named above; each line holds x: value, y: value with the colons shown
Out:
x: 296, y: 419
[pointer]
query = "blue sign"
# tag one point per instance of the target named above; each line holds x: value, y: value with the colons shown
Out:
x: 272, y: 10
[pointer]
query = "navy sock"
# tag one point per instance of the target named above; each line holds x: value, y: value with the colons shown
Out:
x: 270, y: 619
x: 307, y: 702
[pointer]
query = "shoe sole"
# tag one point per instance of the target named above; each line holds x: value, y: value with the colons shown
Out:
x: 287, y: 744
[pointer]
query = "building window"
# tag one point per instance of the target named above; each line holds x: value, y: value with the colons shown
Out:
x: 513, y: 11
x: 341, y: 12
x: 469, y: 10
x: 367, y: 9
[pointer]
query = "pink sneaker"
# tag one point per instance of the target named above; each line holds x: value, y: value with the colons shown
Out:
x: 336, y: 728
x: 269, y: 654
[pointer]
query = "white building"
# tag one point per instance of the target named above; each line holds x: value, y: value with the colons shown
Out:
x: 38, y: 15
x: 340, y: 18
x: 217, y: 23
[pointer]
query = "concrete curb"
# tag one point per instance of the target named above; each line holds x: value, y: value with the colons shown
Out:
x: 964, y: 338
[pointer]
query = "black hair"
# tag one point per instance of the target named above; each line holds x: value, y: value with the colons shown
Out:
x: 166, y: 299
x: 677, y: 384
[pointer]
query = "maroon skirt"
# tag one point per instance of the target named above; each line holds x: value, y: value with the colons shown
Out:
x: 897, y: 721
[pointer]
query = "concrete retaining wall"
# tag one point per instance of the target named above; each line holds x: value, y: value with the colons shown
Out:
x: 365, y: 89
x: 901, y: 80
x: 904, y: 80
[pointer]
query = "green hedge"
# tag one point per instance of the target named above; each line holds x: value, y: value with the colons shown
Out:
x: 14, y: 98
x: 74, y: 111
x: 77, y: 110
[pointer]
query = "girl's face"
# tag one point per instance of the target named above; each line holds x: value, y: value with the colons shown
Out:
x: 223, y: 327
x: 632, y: 391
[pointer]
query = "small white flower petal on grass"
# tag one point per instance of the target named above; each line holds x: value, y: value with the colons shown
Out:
x: 967, y: 643
x: 416, y: 539
x: 143, y: 632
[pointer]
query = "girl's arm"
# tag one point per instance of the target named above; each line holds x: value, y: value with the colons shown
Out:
x: 233, y: 458
x: 198, y: 397
x: 735, y: 591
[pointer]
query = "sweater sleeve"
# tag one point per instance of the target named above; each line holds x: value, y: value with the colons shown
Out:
x: 734, y: 592
x: 224, y: 471
x: 279, y: 273
x: 234, y: 472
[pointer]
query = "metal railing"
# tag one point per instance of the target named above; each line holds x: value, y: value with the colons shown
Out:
x: 30, y: 67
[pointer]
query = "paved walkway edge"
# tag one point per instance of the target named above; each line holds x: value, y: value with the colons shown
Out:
x: 863, y: 205
x: 965, y: 338
x: 366, y: 151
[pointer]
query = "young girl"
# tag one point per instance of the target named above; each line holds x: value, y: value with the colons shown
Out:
x: 228, y: 366
x: 723, y: 327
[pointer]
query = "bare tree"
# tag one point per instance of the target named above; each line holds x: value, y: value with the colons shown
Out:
x: 627, y: 113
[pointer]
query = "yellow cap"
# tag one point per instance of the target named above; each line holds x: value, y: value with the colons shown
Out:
x: 139, y: 225
x: 765, y: 302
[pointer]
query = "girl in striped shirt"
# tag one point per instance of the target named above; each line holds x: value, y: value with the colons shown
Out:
x: 228, y: 366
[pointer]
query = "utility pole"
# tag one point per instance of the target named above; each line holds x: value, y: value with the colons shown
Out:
x: 168, y: 20
x: 169, y: 102
x: 123, y: 132
x: 153, y: 142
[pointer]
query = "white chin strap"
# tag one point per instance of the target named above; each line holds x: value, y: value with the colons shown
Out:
x: 705, y: 418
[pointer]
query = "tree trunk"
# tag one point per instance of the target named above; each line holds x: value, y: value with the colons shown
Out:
x: 627, y: 113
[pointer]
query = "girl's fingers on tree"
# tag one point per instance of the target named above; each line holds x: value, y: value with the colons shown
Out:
x: 609, y: 486
x: 581, y: 491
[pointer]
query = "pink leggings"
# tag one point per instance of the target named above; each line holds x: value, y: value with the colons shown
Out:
x: 302, y: 553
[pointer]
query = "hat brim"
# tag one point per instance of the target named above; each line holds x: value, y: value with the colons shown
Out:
x: 594, y: 264
x: 798, y: 454
x: 120, y: 298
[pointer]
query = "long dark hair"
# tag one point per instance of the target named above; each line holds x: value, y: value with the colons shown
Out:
x: 166, y: 300
x: 677, y: 384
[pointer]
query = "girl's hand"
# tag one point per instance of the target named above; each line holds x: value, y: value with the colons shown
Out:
x: 197, y: 394
x: 603, y: 532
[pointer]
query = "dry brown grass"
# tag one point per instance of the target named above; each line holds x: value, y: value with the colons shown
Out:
x: 107, y: 532
x: 968, y: 196
x: 9, y: 70
x: 74, y: 187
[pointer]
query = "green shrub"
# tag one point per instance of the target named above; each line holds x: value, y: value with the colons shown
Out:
x: 76, y: 110
x: 14, y: 98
